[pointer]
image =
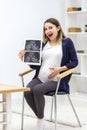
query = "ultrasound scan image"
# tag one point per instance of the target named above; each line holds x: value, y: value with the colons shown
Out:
x: 32, y: 57
x: 33, y: 45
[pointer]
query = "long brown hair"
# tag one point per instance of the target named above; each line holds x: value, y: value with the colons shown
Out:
x: 60, y: 35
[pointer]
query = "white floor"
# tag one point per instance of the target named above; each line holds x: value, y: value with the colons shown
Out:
x: 30, y: 124
x: 66, y: 118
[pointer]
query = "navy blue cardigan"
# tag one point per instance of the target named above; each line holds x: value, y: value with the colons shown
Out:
x: 69, y: 59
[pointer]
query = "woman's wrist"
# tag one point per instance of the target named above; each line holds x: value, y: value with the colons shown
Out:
x: 63, y: 68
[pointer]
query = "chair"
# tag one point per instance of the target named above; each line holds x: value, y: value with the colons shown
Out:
x: 53, y: 94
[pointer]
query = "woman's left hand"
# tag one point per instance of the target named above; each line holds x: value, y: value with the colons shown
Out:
x: 55, y: 71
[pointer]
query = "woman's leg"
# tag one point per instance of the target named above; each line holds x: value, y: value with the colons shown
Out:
x: 35, y: 98
x: 38, y: 92
x: 29, y: 94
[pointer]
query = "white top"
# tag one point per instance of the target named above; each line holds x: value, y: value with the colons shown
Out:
x: 51, y: 57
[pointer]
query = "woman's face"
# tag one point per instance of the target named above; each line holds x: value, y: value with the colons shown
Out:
x: 51, y: 31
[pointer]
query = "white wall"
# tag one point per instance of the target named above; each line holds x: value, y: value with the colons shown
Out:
x: 21, y: 20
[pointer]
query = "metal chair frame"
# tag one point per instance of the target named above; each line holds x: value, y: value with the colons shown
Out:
x: 54, y: 96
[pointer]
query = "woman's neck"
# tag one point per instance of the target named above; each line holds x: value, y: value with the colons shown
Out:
x: 54, y: 42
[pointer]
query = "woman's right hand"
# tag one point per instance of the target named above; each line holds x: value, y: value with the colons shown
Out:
x: 21, y: 54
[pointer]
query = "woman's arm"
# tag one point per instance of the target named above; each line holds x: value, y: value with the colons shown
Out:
x: 71, y: 54
x: 56, y: 70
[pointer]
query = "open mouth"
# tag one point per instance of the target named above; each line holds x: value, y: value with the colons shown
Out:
x: 50, y: 35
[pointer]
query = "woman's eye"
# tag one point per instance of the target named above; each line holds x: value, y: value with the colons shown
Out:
x: 50, y: 27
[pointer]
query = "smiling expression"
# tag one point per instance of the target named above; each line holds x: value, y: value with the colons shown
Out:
x: 51, y: 31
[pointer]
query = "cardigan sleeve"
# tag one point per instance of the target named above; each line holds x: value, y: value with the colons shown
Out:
x: 72, y: 54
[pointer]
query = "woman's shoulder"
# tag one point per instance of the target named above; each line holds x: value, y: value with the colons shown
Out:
x: 67, y: 40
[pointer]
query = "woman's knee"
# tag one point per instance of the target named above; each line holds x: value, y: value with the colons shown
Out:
x: 37, y: 90
x: 27, y: 94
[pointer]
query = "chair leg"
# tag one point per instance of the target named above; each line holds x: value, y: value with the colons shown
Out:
x: 51, y: 109
x: 55, y: 111
x: 55, y: 104
x: 22, y: 118
x: 74, y: 111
